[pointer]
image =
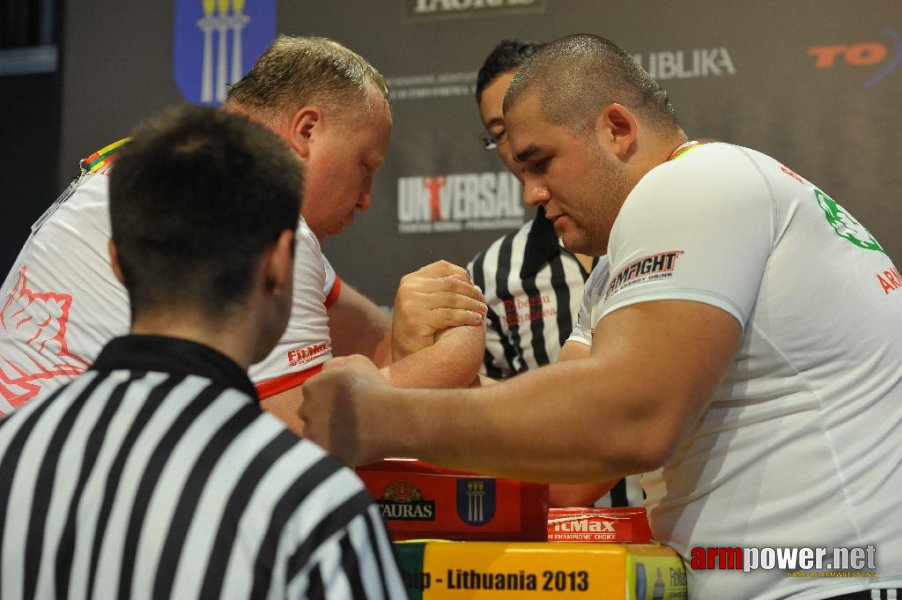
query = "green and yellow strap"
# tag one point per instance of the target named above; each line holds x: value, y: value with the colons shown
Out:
x: 103, y: 157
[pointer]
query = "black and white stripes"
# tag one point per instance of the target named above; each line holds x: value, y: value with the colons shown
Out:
x: 145, y: 484
x: 533, y: 289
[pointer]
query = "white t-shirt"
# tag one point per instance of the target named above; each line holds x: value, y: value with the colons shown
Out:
x: 61, y: 303
x: 306, y: 343
x: 799, y: 446
x: 593, y: 293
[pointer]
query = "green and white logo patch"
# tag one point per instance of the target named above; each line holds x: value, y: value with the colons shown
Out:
x: 845, y: 225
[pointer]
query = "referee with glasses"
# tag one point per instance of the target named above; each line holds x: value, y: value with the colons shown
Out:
x: 533, y: 285
x: 156, y: 474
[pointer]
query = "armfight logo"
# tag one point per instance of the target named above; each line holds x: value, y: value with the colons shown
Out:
x: 886, y: 57
x: 459, y: 202
x: 647, y: 268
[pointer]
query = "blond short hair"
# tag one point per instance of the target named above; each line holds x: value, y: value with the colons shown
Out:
x: 297, y: 71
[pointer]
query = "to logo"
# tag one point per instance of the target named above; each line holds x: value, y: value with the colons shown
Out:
x: 217, y: 42
x: 862, y: 54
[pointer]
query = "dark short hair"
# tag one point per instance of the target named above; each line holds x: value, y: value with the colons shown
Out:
x: 508, y: 55
x: 195, y: 199
x: 577, y: 76
x: 295, y: 71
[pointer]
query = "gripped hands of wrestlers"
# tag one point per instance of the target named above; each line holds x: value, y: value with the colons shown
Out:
x: 334, y: 408
x: 432, y: 299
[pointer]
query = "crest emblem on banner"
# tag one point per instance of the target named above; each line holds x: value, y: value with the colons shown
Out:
x: 476, y: 501
x: 216, y: 42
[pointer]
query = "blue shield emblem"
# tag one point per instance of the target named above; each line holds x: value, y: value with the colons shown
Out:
x: 216, y: 42
x: 476, y: 501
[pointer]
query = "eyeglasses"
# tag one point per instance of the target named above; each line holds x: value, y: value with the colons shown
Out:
x: 490, y: 141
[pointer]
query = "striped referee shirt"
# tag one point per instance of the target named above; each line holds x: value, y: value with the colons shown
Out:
x: 533, y: 288
x: 156, y: 475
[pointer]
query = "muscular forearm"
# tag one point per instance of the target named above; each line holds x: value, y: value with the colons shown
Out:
x: 622, y: 410
x: 357, y: 326
x: 550, y: 425
x: 452, y: 361
x: 512, y: 430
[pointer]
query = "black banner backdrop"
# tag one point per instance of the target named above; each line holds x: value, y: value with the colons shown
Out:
x: 814, y: 83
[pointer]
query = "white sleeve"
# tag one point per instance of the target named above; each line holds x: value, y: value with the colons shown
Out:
x: 698, y: 228
x: 593, y: 296
x: 306, y: 343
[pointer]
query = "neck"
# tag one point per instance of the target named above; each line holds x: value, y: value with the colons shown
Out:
x: 226, y: 336
x: 671, y: 142
x: 585, y: 260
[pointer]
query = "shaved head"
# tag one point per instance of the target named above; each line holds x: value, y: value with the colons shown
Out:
x: 577, y: 76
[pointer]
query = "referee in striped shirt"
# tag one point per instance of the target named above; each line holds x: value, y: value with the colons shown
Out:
x: 533, y: 285
x: 155, y: 474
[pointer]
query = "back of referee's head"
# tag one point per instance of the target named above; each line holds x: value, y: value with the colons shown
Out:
x: 197, y: 199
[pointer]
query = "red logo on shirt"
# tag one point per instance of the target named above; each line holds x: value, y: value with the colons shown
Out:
x: 890, y: 280
x: 531, y: 308
x: 299, y: 356
x: 38, y: 320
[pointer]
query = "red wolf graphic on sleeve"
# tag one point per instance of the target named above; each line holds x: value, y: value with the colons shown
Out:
x: 37, y: 320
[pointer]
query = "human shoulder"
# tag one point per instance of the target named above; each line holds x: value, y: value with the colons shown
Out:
x: 712, y: 179
x: 710, y: 164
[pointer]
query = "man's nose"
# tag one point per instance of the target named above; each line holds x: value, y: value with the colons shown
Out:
x: 535, y: 193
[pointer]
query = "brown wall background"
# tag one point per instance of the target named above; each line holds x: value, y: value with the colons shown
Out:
x: 814, y: 83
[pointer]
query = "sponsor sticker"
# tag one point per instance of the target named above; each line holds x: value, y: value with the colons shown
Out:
x: 300, y: 356
x: 459, y: 202
x: 885, y: 57
x: 648, y: 268
x: 403, y: 501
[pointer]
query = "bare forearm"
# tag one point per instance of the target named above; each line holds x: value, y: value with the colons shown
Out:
x: 357, y: 326
x: 536, y: 427
x: 453, y: 361
x: 622, y: 410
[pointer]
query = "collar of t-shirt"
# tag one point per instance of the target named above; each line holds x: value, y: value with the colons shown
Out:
x: 172, y: 355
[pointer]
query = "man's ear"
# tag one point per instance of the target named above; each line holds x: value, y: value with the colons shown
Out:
x: 278, y: 264
x: 303, y: 127
x: 617, y: 128
x: 114, y: 261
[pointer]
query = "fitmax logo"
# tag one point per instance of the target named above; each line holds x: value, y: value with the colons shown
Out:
x: 862, y: 54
